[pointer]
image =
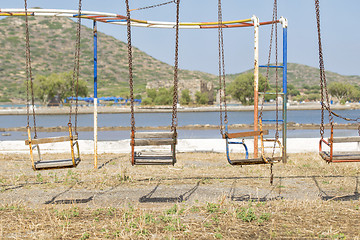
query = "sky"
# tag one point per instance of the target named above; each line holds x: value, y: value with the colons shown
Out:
x: 198, y: 48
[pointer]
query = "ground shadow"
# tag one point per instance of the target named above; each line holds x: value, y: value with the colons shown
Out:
x: 11, y: 187
x: 71, y: 201
x: 77, y: 200
x: 106, y: 163
x: 248, y: 197
x: 326, y: 197
x: 181, y: 198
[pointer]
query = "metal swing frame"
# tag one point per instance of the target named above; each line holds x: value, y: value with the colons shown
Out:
x: 263, y: 159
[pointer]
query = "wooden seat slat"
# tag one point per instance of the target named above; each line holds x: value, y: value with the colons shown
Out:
x: 154, y: 162
x: 345, y: 139
x: 53, y: 164
x: 246, y: 134
x: 338, y: 156
x: 165, y: 157
x: 154, y: 135
x: 153, y: 142
x: 51, y: 140
x: 139, y: 153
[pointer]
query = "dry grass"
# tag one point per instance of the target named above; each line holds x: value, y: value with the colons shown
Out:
x: 201, y: 197
x: 245, y: 220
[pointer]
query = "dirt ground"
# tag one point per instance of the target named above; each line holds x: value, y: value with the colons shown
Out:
x: 201, y: 197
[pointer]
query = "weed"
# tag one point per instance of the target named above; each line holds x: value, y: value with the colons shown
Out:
x: 116, y: 233
x: 218, y: 236
x: 67, y: 214
x: 336, y: 236
x: 246, y: 214
x: 133, y: 225
x: 172, y: 210
x: 195, y: 209
x: 166, y: 219
x: 142, y: 232
x: 212, y: 207
x: 216, y: 219
x: 85, y: 236
x: 170, y: 228
x: 39, y: 178
x: 265, y: 216
x: 111, y: 211
x: 149, y: 218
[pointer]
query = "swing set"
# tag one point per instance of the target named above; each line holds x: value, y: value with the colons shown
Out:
x: 166, y: 140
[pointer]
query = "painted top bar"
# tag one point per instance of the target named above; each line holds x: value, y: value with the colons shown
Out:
x: 117, y: 19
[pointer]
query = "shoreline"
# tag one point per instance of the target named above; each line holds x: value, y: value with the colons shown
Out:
x: 294, y: 145
x: 290, y: 126
x: 167, y: 109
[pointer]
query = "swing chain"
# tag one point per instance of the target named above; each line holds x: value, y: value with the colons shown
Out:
x: 174, y: 121
x: 274, y: 18
x: 222, y: 80
x: 276, y: 77
x: 29, y: 79
x: 153, y: 6
x: 131, y: 83
x: 76, y: 70
x: 323, y: 85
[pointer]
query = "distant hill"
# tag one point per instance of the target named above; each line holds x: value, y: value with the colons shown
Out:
x: 299, y: 75
x: 52, y: 49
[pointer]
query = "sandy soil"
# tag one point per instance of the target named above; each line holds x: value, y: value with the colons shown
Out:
x: 196, y: 177
x: 201, y: 197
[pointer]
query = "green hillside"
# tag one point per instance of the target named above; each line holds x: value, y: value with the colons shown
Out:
x: 52, y: 47
x: 300, y: 75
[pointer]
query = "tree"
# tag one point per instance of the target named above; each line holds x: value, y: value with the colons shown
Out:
x: 57, y: 85
x: 292, y: 91
x: 185, y: 97
x: 355, y: 94
x: 201, y: 98
x: 162, y: 96
x: 340, y: 90
x: 242, y: 88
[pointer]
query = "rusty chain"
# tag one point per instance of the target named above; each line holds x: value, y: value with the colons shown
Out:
x: 153, y: 6
x: 131, y: 83
x: 29, y: 78
x: 274, y: 28
x: 76, y: 70
x: 174, y: 120
x: 323, y: 84
x: 222, y: 79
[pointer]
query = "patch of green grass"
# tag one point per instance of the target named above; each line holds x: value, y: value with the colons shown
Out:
x: 212, y: 207
x: 246, y: 214
x: 85, y: 236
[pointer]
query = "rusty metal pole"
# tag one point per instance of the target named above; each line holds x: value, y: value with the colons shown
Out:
x: 256, y: 82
